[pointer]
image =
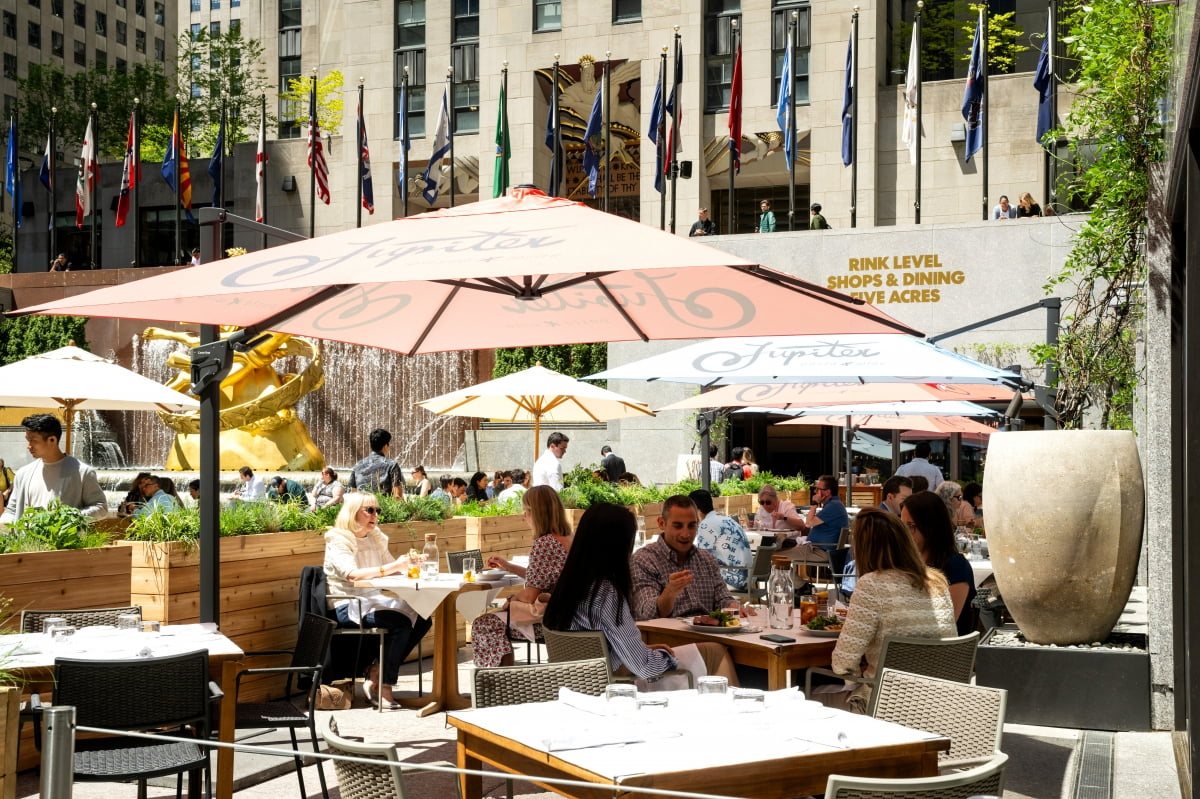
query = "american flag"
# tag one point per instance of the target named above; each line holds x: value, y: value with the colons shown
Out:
x: 260, y: 197
x: 316, y: 153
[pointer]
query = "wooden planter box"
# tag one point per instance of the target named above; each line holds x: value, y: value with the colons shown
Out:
x: 66, y: 579
x: 10, y: 724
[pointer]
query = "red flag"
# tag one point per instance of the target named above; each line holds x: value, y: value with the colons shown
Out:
x: 131, y: 173
x: 735, y: 111
x: 86, y: 178
x: 260, y: 160
x: 316, y: 154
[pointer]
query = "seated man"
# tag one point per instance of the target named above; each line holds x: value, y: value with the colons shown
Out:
x: 896, y: 489
x: 520, y: 484
x: 155, y: 497
x: 826, y: 518
x: 777, y: 514
x: 283, y: 490
x: 252, y: 488
x: 725, y: 539
x: 671, y: 577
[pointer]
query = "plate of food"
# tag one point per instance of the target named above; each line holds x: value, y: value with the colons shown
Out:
x: 824, y: 627
x: 491, y: 575
x: 721, y: 622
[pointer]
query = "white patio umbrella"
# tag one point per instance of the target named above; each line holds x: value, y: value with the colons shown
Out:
x: 537, y: 394
x: 72, y: 379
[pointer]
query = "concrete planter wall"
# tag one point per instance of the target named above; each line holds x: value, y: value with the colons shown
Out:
x: 1065, y: 510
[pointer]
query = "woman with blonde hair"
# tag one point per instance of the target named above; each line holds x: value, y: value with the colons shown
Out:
x: 1028, y: 207
x: 491, y: 633
x: 896, y: 595
x: 355, y: 550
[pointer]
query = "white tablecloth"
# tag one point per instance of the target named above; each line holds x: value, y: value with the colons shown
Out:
x: 33, y: 650
x: 425, y: 595
x: 982, y: 569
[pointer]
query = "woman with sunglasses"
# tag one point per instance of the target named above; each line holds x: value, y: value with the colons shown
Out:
x: 356, y: 549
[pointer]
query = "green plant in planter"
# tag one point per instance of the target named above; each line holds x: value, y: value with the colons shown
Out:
x: 512, y: 507
x: 683, y: 487
x: 55, y: 526
x: 412, y: 509
x: 177, y: 524
x: 638, y: 494
x: 757, y: 481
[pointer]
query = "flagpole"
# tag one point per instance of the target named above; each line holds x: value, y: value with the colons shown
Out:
x: 178, y: 184
x: 737, y: 45
x: 607, y: 132
x: 917, y: 67
x: 359, y: 136
x: 16, y: 187
x: 137, y: 172
x: 262, y: 132
x: 95, y: 178
x: 791, y: 132
x: 983, y: 48
x: 221, y: 173
x: 53, y: 156
x: 450, y: 95
x: 403, y: 165
x: 854, y: 121
x: 1047, y: 158
x: 556, y: 164
x: 676, y: 79
x: 661, y: 144
x: 314, y: 131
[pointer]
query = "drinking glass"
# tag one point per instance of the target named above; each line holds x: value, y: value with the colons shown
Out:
x: 152, y: 627
x: 469, y: 569
x: 63, y: 634
x: 712, y: 686
x: 621, y: 696
x: 129, y: 622
x: 748, y: 700
x: 50, y: 623
x: 654, y: 703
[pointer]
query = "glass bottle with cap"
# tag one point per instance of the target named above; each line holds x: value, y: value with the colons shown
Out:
x: 780, y: 593
x: 430, y: 567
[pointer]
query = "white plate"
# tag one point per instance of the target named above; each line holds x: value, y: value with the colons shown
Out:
x: 492, y: 574
x: 708, y: 628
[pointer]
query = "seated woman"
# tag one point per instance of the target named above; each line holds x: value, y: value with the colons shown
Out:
x: 421, y: 479
x: 355, y: 549
x: 929, y: 524
x: 896, y: 595
x: 961, y: 513
x: 593, y: 593
x: 477, y: 488
x: 328, y: 490
x: 491, y: 632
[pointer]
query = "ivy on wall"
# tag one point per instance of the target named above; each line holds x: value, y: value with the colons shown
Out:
x: 576, y: 360
x: 32, y: 335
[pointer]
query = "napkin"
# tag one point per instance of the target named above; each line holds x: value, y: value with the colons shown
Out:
x: 596, y: 705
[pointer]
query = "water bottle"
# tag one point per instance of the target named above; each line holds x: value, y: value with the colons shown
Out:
x: 429, y: 568
x: 780, y: 593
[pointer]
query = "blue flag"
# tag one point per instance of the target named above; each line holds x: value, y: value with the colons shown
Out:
x: 553, y: 134
x: 12, y: 173
x: 405, y: 144
x: 214, y: 164
x: 783, y: 111
x: 655, y: 129
x: 1043, y: 81
x: 591, y: 158
x: 441, y: 147
x: 847, y: 106
x: 368, y: 189
x: 972, y: 104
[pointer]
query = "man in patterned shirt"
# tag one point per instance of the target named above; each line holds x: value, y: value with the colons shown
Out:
x: 671, y: 577
x: 377, y: 472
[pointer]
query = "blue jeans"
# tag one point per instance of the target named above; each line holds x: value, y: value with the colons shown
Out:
x: 401, y: 639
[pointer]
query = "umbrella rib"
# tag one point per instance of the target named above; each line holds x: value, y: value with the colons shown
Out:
x: 620, y: 308
x: 433, y: 320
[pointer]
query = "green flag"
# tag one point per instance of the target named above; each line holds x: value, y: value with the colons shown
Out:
x: 500, y: 178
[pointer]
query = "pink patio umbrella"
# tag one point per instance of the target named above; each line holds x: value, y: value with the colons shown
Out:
x: 925, y: 424
x: 799, y: 395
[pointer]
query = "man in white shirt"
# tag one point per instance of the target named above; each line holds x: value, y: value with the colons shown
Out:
x: 920, y: 465
x: 520, y: 479
x: 54, y: 475
x: 252, y: 488
x: 548, y: 470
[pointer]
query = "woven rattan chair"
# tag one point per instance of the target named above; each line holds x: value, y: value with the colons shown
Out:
x: 166, y: 694
x: 308, y: 659
x: 362, y: 780
x: 32, y: 620
x: 944, y: 658
x: 455, y: 560
x: 515, y: 685
x: 971, y: 716
x: 985, y: 780
x: 588, y: 644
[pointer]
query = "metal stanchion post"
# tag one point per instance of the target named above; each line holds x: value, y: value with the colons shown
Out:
x: 58, y: 751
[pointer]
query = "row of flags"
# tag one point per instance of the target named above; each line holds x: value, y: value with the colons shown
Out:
x: 176, y: 173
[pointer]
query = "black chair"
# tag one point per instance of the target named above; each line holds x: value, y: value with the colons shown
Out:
x: 171, y: 695
x: 32, y: 620
x: 308, y: 660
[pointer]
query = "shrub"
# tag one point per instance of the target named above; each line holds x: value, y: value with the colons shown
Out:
x: 55, y: 526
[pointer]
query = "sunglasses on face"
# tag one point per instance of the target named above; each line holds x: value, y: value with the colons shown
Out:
x: 372, y: 510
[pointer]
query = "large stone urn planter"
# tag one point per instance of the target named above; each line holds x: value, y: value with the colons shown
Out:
x: 1065, y: 511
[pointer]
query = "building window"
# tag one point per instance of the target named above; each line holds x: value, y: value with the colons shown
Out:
x: 214, y: 28
x: 719, y: 16
x: 410, y: 53
x: 196, y: 90
x: 780, y: 17
x: 57, y: 44
x: 235, y: 27
x: 627, y: 11
x: 35, y: 3
x: 10, y: 26
x: 122, y: 32
x: 547, y: 15
x: 290, y: 113
x: 235, y: 3
x: 120, y: 3
x: 56, y: 8
x: 80, y: 49
x: 214, y: 5
x: 195, y: 6
x: 465, y: 102
x: 10, y: 66
x: 410, y: 24
x: 80, y: 14
x: 122, y: 66
x: 466, y: 20
x: 160, y: 14
x: 289, y: 14
x: 101, y: 23
x: 139, y: 41
x: 160, y: 49
x: 10, y: 106
x: 35, y: 35
x: 101, y: 59
x: 195, y: 29
x: 139, y: 7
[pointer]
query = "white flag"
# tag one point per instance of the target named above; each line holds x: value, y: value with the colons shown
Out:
x: 910, y: 133
x: 441, y: 148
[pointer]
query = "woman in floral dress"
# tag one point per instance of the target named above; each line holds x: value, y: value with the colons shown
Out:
x: 491, y: 632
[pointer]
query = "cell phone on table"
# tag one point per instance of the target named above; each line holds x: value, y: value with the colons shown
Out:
x: 778, y: 639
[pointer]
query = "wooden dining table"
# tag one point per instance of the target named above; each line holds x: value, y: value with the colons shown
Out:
x: 686, y: 746
x: 749, y: 648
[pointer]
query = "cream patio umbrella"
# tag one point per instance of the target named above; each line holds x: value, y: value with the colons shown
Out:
x: 537, y: 394
x: 71, y: 379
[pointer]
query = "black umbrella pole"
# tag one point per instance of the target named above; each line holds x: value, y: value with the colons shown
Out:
x: 210, y: 493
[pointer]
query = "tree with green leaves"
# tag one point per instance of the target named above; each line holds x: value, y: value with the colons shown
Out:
x: 1124, y: 60
x: 224, y: 69
x: 576, y: 360
x: 946, y: 33
x: 1004, y: 40
x: 329, y: 100
x: 25, y: 336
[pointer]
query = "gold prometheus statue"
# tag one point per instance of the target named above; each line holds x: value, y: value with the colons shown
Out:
x: 259, y: 427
